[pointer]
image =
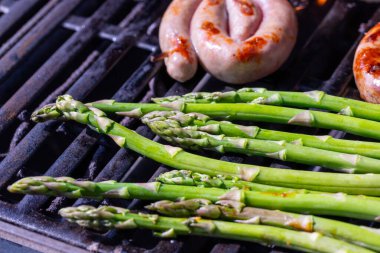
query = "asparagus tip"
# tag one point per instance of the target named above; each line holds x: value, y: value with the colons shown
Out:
x: 47, y: 112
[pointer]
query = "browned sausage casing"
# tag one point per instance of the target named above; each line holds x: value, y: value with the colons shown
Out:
x: 367, y: 66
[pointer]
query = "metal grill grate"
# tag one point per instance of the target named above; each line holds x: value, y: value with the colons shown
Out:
x: 100, y: 49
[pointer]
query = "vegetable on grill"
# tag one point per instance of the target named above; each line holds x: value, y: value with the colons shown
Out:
x: 108, y: 217
x: 68, y: 109
x: 174, y: 127
x: 337, y: 204
x: 310, y: 99
x: 232, y: 211
x: 189, y: 178
x: 251, y: 112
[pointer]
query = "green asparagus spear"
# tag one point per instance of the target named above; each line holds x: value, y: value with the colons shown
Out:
x: 252, y: 112
x: 337, y: 204
x: 362, y: 236
x: 203, y: 123
x: 68, y: 109
x: 107, y: 217
x: 326, y: 142
x: 189, y: 178
x: 310, y: 99
x: 172, y: 127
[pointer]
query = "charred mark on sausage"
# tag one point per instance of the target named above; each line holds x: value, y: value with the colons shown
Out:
x: 246, y: 7
x: 214, y: 2
x: 250, y: 49
x: 368, y: 60
x: 210, y: 28
x: 180, y: 45
x: 375, y: 35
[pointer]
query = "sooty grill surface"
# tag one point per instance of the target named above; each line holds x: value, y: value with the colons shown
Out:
x: 101, y: 49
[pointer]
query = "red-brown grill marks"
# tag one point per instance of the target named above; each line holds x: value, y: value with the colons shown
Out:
x: 210, y: 28
x: 250, y: 49
x: 368, y: 61
x: 181, y: 46
x: 374, y: 34
x: 246, y: 7
x: 214, y: 2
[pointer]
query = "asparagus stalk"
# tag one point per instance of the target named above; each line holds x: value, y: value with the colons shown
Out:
x: 68, y: 109
x: 189, y: 178
x: 252, y: 112
x: 337, y: 204
x: 172, y: 127
x: 310, y: 99
x: 362, y: 236
x: 203, y: 123
x: 107, y: 217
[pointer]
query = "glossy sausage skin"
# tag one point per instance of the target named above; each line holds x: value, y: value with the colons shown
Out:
x: 367, y: 66
x: 238, y: 59
x: 174, y: 34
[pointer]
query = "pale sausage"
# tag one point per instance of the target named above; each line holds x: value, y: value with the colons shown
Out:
x: 174, y: 34
x: 235, y: 59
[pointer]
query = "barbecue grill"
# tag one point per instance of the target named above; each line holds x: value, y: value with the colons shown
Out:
x: 101, y: 49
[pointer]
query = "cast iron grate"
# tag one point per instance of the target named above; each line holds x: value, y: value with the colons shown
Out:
x: 100, y: 49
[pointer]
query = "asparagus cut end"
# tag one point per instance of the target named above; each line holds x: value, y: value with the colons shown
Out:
x: 47, y: 112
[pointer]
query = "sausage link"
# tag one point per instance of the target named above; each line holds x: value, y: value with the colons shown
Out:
x: 174, y: 34
x: 367, y: 66
x: 235, y: 61
x: 243, y: 19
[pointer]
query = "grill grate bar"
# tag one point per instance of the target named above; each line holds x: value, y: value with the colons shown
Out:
x: 58, y: 61
x: 31, y: 40
x: 126, y: 164
x: 13, y: 162
x: 25, y: 126
x: 14, y: 14
x: 77, y: 151
x: 326, y: 31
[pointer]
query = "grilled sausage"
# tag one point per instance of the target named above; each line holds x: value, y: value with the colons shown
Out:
x: 174, y: 34
x: 235, y: 59
x: 367, y: 66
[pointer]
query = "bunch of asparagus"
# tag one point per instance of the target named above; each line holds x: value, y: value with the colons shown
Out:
x: 107, y: 217
x: 178, y: 128
x: 215, y: 203
x: 215, y: 189
x: 68, y: 109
